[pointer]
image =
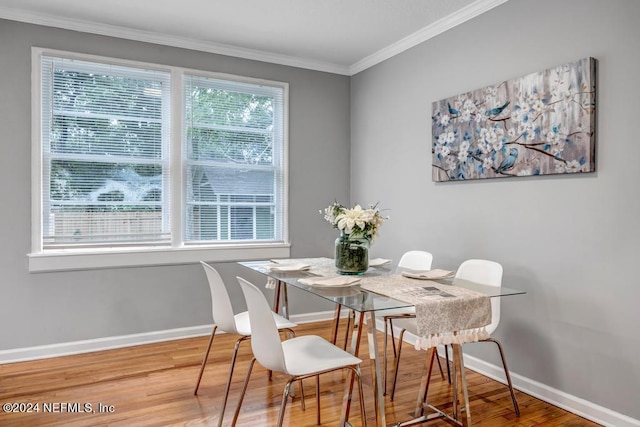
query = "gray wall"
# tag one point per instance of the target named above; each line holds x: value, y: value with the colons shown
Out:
x: 570, y: 241
x: 48, y: 308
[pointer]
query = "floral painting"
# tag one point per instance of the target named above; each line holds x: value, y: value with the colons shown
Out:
x: 539, y: 124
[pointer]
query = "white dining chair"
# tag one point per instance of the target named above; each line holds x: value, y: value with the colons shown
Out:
x: 479, y: 271
x: 226, y: 321
x: 299, y: 357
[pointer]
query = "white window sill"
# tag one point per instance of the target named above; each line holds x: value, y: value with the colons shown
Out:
x: 66, y: 260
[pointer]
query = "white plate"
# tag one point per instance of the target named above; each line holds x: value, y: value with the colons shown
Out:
x: 331, y: 282
x: 378, y: 262
x: 428, y: 274
x: 288, y: 267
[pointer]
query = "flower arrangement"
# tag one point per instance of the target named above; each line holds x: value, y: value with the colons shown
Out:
x: 356, y: 222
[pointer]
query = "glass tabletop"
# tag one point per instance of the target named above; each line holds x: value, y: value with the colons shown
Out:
x: 353, y: 296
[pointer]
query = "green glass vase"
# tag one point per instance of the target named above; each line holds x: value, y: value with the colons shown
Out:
x: 352, y: 254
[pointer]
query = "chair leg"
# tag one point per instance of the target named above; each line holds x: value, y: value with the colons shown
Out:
x: 292, y: 333
x: 352, y: 321
x: 384, y: 355
x: 363, y: 414
x: 318, y: 399
x: 243, y: 392
x: 397, y: 365
x: 506, y: 374
x: 393, y: 338
x: 204, y: 360
x: 440, y: 366
x: 348, y: 330
x: 283, y: 404
x: 336, y: 324
x: 446, y: 359
x: 228, y: 387
x: 303, y: 404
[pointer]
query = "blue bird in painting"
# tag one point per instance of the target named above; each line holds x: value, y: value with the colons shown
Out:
x: 497, y: 110
x: 509, y: 162
x: 452, y: 110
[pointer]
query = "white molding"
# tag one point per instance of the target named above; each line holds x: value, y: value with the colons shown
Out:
x: 566, y: 401
x: 166, y: 40
x: 99, y: 344
x: 474, y: 9
x: 574, y: 404
x: 108, y: 343
x: 68, y: 260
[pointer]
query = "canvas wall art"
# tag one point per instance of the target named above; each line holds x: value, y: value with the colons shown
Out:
x: 539, y: 124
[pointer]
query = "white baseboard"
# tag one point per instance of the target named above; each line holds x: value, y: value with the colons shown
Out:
x: 98, y: 344
x: 576, y: 405
x: 573, y: 404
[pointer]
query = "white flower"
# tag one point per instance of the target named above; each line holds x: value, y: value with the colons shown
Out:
x: 444, y: 120
x: 451, y: 137
x: 573, y: 166
x: 487, y: 163
x: 357, y: 221
x: 557, y: 149
x: 451, y: 164
x: 538, y: 105
x: 469, y: 105
x: 552, y: 137
x: 559, y: 166
x: 462, y: 156
x: 351, y: 218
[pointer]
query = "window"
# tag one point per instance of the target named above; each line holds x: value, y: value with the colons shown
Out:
x: 233, y: 160
x: 143, y: 161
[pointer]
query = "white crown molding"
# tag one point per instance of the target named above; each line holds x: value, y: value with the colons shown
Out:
x: 476, y: 8
x: 444, y: 24
x: 166, y: 40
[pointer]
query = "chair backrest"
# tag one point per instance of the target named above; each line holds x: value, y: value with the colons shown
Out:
x: 221, y: 307
x: 265, y: 338
x: 416, y: 260
x: 487, y: 273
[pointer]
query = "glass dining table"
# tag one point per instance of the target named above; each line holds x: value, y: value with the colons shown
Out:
x: 367, y: 305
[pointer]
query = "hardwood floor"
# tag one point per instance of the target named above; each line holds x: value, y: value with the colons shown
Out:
x: 152, y: 385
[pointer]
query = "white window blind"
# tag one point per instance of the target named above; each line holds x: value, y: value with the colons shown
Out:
x: 233, y: 145
x: 147, y: 164
x: 105, y: 154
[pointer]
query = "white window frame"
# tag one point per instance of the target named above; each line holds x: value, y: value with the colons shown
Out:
x: 41, y: 260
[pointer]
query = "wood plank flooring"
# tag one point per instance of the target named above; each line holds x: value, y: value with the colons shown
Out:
x: 152, y: 385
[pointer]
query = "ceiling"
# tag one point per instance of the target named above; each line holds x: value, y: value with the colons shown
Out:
x: 338, y: 36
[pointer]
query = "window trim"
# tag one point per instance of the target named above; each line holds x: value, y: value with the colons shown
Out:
x: 41, y: 260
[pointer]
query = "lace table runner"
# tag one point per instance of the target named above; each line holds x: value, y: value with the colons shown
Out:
x: 445, y: 314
